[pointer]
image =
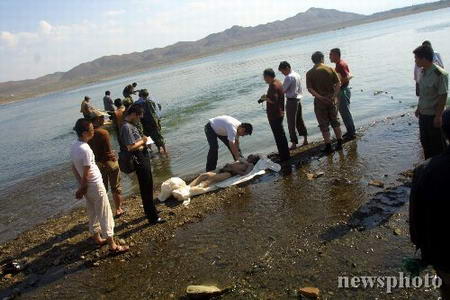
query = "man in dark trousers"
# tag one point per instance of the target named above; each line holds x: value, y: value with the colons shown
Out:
x: 428, y: 211
x: 433, y: 89
x: 136, y: 144
x: 292, y: 87
x: 275, y: 112
x: 228, y: 130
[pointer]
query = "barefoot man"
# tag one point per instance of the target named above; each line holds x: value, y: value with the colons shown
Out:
x: 101, y: 222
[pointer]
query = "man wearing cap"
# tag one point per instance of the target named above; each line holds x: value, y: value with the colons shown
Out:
x: 86, y: 107
x: 228, y: 130
x: 106, y: 160
x: 433, y: 91
x: 428, y: 211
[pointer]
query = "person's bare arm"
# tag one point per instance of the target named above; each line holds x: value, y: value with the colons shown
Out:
x: 75, y: 173
x: 235, y: 150
x: 83, y: 183
x: 337, y: 88
x: 138, y: 145
x: 439, y: 109
x: 318, y: 96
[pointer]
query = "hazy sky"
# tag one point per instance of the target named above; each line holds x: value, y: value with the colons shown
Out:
x: 38, y: 37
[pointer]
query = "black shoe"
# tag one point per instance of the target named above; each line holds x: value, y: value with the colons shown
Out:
x: 327, y: 149
x: 348, y: 136
x: 339, y: 145
x: 157, y: 221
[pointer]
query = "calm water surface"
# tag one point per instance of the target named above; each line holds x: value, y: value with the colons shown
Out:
x: 35, y: 180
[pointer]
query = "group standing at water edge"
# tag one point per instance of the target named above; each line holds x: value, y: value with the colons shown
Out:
x: 139, y: 121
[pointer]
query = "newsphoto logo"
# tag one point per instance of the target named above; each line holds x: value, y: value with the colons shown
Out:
x: 389, y: 282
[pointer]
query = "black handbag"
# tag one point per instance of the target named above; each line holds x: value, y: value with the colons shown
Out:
x: 127, y: 162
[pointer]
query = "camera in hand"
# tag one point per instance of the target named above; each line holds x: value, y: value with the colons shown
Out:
x: 262, y: 99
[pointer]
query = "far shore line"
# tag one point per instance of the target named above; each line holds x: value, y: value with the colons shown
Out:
x: 70, y: 86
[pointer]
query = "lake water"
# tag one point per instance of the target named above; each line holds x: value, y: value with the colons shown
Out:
x: 35, y: 179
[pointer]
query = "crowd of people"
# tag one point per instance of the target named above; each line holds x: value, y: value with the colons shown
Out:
x: 97, y: 169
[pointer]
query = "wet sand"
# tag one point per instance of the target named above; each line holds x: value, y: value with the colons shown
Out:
x: 262, y: 240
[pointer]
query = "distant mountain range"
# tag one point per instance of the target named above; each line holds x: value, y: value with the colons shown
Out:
x: 312, y: 21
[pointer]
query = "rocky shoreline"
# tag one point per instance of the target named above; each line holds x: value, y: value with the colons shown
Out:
x: 61, y: 262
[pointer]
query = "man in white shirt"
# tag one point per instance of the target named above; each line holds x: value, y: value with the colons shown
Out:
x: 228, y: 130
x: 101, y: 222
x: 292, y: 87
x: 437, y: 60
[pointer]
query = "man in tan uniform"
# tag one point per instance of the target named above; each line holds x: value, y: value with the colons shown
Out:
x: 323, y: 83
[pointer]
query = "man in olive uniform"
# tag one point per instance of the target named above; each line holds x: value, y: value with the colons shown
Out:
x: 433, y: 89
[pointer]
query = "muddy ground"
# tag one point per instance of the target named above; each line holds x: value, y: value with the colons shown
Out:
x: 262, y: 240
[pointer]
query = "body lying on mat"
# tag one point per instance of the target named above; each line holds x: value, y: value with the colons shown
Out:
x: 241, y: 167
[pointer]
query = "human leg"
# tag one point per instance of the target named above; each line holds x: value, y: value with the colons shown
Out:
x: 291, y: 115
x: 344, y: 110
x: 213, y: 152
x: 145, y: 179
x: 280, y: 138
x: 301, y: 128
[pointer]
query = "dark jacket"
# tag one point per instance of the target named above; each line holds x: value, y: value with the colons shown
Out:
x: 429, y: 210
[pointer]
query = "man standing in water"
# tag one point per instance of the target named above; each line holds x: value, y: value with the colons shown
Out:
x: 428, y: 211
x: 106, y: 160
x: 127, y: 93
x: 323, y: 83
x: 275, y: 112
x: 292, y: 87
x: 101, y: 222
x: 228, y: 130
x: 433, y: 89
x: 86, y: 108
x: 108, y: 103
x: 344, y: 93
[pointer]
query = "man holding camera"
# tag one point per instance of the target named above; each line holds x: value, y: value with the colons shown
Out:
x: 275, y: 112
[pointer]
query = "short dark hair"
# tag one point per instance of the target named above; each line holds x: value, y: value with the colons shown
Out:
x: 284, y: 65
x: 248, y: 127
x: 424, y: 52
x: 134, y: 84
x: 426, y: 43
x: 81, y: 125
x: 118, y: 102
x: 317, y: 57
x: 269, y: 72
x: 136, y: 109
x: 86, y: 98
x: 107, y: 93
x: 336, y: 51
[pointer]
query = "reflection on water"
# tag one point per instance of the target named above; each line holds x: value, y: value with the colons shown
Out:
x: 36, y: 133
